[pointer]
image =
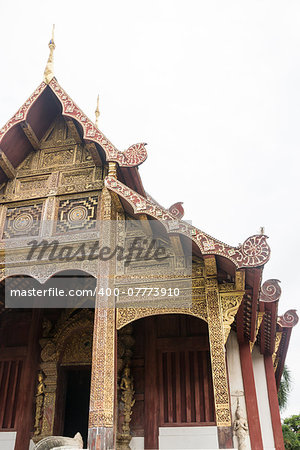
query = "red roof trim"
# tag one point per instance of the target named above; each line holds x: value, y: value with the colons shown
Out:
x: 132, y: 157
x: 254, y: 252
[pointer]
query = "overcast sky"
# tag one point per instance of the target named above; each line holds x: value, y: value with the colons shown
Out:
x: 211, y: 86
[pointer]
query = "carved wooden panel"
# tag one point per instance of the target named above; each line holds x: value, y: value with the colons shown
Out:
x: 76, y: 214
x: 62, y: 164
x: 23, y: 220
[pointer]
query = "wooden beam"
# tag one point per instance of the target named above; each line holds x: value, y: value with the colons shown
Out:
x: 94, y: 152
x: 273, y: 402
x: 255, y: 297
x: 176, y: 244
x: 12, y: 353
x: 30, y: 134
x: 7, y: 166
x: 73, y: 130
x: 250, y: 397
x: 145, y: 224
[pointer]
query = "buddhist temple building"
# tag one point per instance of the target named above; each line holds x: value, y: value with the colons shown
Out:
x: 175, y: 340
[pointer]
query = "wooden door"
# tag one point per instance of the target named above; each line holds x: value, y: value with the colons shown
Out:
x: 178, y: 381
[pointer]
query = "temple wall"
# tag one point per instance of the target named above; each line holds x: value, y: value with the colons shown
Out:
x: 235, y: 380
x: 137, y: 443
x: 262, y: 399
x: 7, y: 440
x: 188, y: 438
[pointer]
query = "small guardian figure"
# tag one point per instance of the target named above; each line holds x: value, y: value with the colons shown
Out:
x: 40, y: 394
x: 127, y: 397
x: 240, y: 427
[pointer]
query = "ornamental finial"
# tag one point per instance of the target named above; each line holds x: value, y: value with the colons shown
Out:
x: 97, y: 113
x: 49, y: 73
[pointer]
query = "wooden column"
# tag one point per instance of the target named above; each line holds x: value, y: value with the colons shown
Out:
x: 250, y: 397
x: 102, y: 427
x: 28, y: 382
x: 273, y: 402
x: 151, y: 394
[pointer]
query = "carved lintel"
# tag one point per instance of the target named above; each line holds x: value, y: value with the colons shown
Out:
x: 260, y: 316
x: 30, y: 134
x: 128, y: 315
x: 7, y: 166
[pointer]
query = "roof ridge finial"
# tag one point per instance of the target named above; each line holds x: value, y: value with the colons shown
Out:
x: 49, y: 73
x: 97, y: 113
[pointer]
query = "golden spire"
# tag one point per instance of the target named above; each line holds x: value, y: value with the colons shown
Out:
x: 49, y: 74
x: 97, y: 112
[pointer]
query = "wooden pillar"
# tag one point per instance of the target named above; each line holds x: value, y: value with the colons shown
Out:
x: 273, y: 402
x: 250, y: 397
x: 28, y: 382
x: 102, y: 427
x: 217, y: 347
x: 151, y: 394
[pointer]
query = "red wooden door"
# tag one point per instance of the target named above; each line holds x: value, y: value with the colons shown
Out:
x: 178, y: 381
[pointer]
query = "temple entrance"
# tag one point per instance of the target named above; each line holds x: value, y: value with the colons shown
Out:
x: 172, y: 377
x: 77, y: 395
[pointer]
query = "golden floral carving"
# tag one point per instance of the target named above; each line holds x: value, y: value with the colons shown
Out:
x: 260, y: 316
x: 127, y: 315
x: 230, y: 303
x: 277, y: 344
x: 217, y: 348
x: 103, y: 361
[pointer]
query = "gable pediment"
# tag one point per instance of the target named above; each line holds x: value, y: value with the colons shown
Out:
x: 63, y: 164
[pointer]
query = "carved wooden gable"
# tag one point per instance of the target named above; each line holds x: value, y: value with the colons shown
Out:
x: 59, y: 182
x: 63, y: 164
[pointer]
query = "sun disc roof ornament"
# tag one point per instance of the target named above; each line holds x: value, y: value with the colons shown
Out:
x: 49, y: 69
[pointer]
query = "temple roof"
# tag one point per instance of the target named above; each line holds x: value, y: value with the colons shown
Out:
x: 22, y: 134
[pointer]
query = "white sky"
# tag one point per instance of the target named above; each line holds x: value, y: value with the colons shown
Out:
x: 212, y: 87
